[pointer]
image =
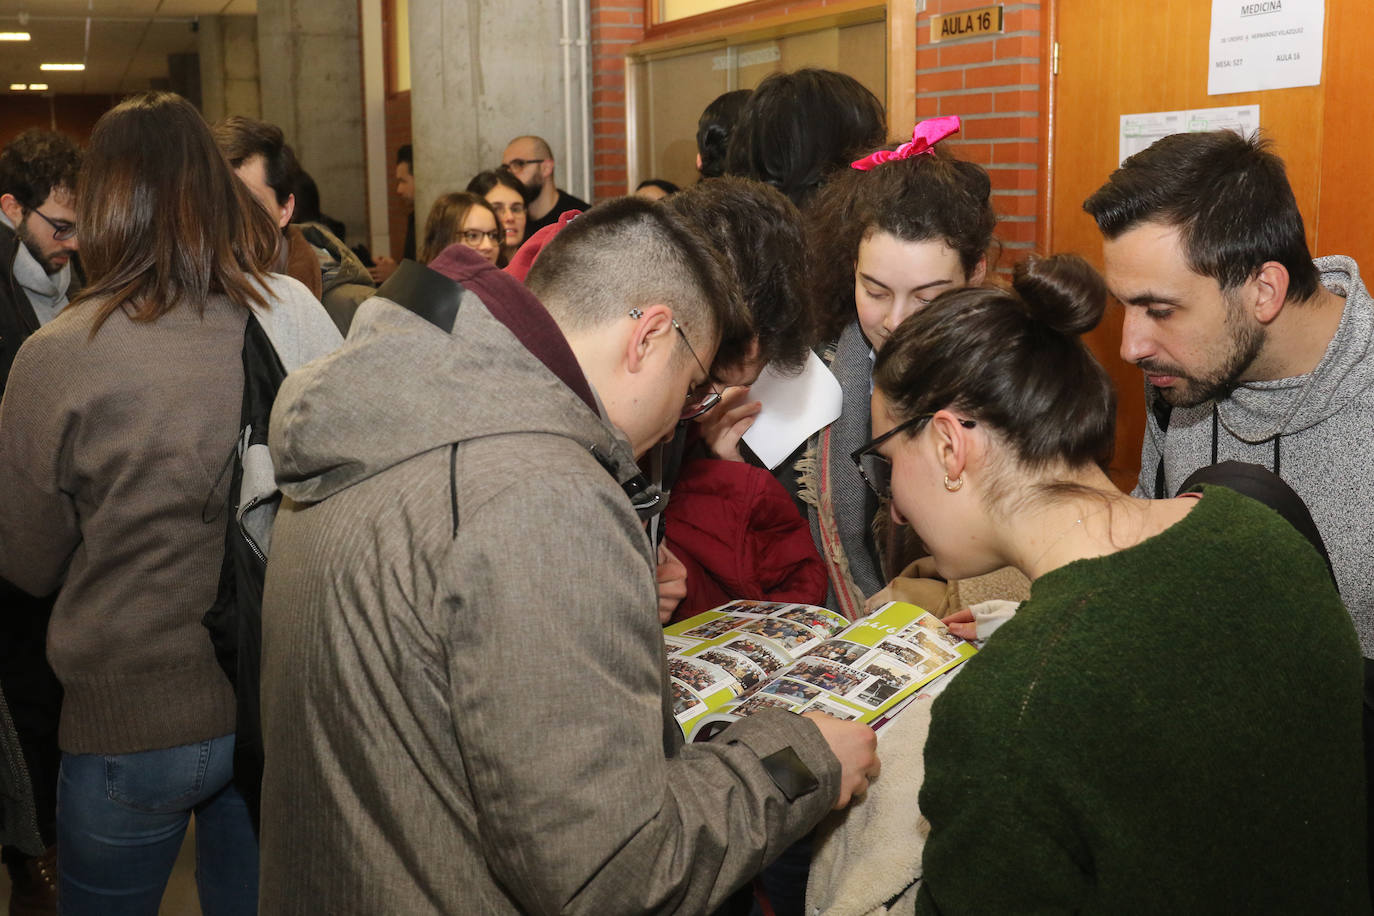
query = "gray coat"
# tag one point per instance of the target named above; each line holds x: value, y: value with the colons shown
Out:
x: 465, y: 705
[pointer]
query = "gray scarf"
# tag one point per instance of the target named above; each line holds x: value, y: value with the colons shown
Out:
x: 47, y: 293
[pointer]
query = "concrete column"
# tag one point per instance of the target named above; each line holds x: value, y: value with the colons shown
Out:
x: 310, y: 63
x: 483, y: 72
x: 228, y: 48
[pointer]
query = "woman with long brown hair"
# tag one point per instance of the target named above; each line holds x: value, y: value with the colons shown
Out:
x: 461, y: 217
x: 118, y: 420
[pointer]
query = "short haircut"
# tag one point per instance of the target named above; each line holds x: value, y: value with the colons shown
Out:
x: 798, y: 128
x: 444, y: 225
x: 714, y: 127
x: 934, y: 196
x: 307, y: 195
x: 36, y: 163
x: 541, y: 146
x: 632, y: 253
x: 1014, y: 361
x: 1228, y: 195
x: 405, y: 154
x: 242, y: 138
x: 758, y: 233
x: 667, y: 187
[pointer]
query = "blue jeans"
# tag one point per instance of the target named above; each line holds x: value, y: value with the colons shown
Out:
x: 121, y: 820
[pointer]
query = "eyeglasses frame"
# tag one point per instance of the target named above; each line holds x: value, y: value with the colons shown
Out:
x: 61, y: 232
x: 712, y: 399
x: 871, y: 448
x: 498, y: 233
x: 521, y: 163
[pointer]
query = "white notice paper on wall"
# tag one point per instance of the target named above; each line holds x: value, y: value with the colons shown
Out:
x: 1138, y: 131
x: 794, y: 407
x: 1265, y: 44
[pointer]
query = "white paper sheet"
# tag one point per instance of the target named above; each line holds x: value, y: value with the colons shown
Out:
x: 1138, y: 131
x: 793, y: 409
x: 1264, y: 44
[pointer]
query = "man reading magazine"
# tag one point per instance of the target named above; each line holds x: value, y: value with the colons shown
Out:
x: 465, y: 703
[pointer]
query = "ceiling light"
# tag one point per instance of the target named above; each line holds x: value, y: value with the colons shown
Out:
x: 61, y: 66
x: 37, y: 87
x: 15, y: 36
x: 18, y: 86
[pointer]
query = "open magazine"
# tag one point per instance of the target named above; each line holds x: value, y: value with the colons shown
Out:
x: 749, y: 655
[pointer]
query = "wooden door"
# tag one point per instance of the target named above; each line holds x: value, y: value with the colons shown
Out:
x: 1127, y: 58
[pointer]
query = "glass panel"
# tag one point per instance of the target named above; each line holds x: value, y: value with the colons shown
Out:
x: 674, y: 89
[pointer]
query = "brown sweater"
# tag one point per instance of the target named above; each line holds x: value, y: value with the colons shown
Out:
x: 113, y: 473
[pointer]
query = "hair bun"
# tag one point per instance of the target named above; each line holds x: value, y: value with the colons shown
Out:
x: 1062, y: 291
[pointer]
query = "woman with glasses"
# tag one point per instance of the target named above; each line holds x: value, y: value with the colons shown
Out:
x: 500, y: 188
x: 117, y: 428
x: 884, y: 240
x: 461, y: 217
x: 1171, y: 722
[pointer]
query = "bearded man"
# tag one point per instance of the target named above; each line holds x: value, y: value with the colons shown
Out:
x: 1251, y: 350
x: 39, y: 271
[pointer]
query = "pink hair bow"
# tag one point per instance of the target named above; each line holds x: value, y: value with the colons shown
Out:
x: 923, y: 139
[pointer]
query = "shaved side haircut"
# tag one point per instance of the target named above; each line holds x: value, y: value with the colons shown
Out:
x: 632, y: 253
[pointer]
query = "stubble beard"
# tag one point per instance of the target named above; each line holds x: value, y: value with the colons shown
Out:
x: 44, y: 260
x: 1245, y: 341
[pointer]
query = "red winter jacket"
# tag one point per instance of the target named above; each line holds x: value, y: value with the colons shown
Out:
x: 739, y: 535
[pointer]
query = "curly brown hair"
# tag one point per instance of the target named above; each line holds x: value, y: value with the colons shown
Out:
x: 934, y: 196
x: 36, y: 163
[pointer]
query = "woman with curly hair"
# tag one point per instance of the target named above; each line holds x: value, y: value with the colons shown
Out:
x: 885, y: 238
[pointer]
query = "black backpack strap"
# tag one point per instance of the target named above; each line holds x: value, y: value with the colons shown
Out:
x: 425, y: 292
x: 1162, y: 410
x: 1260, y: 483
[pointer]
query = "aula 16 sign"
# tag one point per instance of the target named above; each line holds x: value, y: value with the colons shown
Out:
x: 984, y: 20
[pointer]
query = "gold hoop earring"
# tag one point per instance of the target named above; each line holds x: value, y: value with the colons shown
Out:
x: 952, y: 485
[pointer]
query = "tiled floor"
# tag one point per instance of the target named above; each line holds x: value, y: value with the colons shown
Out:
x: 180, y: 899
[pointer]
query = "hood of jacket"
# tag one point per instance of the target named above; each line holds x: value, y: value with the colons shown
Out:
x: 337, y: 261
x: 402, y: 385
x: 1259, y: 411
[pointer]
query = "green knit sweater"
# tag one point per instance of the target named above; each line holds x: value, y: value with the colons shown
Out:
x: 1174, y: 728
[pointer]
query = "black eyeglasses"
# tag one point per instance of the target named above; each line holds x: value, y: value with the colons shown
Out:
x: 473, y: 237
x: 698, y: 402
x: 521, y: 163
x: 880, y: 481
x: 61, y: 229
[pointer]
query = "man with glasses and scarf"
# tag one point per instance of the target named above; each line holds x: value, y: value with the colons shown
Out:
x: 38, y: 274
x: 38, y: 242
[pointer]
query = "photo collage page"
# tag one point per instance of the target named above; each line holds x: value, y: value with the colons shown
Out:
x: 750, y: 655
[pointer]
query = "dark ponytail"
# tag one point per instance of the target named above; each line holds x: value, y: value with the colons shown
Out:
x: 714, y: 128
x: 1013, y: 361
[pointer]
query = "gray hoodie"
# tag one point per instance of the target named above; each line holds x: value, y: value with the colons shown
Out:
x: 1324, y: 426
x: 464, y: 699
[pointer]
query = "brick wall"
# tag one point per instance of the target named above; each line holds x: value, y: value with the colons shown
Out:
x: 993, y: 84
x: 616, y: 24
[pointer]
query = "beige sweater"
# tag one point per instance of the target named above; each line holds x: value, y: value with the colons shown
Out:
x: 113, y: 455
